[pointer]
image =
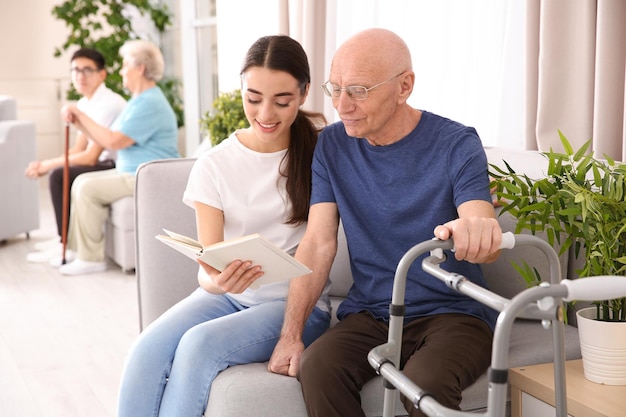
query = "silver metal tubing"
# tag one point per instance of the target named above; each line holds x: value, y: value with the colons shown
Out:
x: 461, y: 284
x: 502, y: 334
x: 385, y: 358
x: 419, y: 397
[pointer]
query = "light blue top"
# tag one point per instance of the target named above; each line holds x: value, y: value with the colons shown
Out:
x: 148, y: 119
x: 391, y: 198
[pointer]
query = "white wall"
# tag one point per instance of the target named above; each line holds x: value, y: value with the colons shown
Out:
x: 458, y: 49
x: 28, y: 69
x: 462, y: 51
x: 239, y: 24
x: 467, y: 91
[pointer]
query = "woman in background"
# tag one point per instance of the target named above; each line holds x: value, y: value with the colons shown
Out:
x: 256, y: 181
x: 144, y: 131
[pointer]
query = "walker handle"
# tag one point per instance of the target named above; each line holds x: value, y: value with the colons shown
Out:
x: 508, y: 240
x: 603, y: 287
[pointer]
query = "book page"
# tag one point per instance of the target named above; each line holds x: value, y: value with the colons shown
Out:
x: 183, y: 238
x: 189, y: 250
x: 276, y: 264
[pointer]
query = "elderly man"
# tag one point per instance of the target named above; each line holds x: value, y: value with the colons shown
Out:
x: 392, y: 174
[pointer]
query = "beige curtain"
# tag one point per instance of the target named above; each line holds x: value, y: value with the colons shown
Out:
x: 575, y: 75
x: 305, y: 21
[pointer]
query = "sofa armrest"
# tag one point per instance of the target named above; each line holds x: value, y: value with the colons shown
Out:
x: 164, y: 276
x: 8, y: 108
x: 19, y: 204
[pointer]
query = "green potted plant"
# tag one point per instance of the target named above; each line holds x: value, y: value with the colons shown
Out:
x: 580, y: 204
x: 226, y: 116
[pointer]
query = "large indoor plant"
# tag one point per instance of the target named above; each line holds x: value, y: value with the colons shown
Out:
x: 105, y: 25
x: 579, y: 204
x: 224, y: 118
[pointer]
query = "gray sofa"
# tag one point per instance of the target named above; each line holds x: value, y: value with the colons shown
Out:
x: 165, y: 276
x: 19, y: 205
x: 119, y: 229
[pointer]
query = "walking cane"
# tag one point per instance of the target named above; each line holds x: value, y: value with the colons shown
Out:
x: 66, y: 193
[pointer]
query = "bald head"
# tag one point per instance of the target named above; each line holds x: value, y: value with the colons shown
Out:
x: 379, y: 61
x: 372, y: 49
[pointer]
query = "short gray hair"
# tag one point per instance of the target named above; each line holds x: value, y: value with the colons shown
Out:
x: 146, y: 53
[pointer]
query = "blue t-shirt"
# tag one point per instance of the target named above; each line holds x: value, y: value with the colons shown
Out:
x: 390, y: 198
x: 148, y: 119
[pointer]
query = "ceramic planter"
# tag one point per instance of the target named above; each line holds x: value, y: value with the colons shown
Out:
x: 603, y: 348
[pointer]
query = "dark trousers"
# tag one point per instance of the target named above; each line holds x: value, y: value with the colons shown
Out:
x: 442, y: 354
x: 56, y: 187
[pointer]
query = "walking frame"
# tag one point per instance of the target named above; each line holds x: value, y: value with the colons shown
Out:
x: 543, y: 303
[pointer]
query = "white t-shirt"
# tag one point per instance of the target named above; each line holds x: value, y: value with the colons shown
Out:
x: 103, y: 107
x: 248, y: 188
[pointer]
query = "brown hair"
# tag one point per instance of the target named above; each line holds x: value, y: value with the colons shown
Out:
x: 283, y: 53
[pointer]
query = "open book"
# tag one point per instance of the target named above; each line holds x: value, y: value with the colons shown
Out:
x: 276, y: 264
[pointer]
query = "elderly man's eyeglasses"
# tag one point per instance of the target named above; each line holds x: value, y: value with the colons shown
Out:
x: 87, y: 71
x: 356, y: 92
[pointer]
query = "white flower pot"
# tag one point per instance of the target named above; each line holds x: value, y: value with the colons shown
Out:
x: 603, y: 348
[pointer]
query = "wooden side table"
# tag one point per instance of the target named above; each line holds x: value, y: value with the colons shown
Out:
x: 532, y: 393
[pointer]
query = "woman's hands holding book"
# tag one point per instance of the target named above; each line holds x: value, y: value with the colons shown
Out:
x: 235, y: 278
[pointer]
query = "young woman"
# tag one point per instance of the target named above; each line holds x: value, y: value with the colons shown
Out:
x: 256, y: 181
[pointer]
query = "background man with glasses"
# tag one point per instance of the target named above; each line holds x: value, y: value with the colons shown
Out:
x: 87, y: 69
x: 394, y: 175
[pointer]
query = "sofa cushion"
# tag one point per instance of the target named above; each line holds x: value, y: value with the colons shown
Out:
x: 340, y: 272
x: 244, y: 388
x: 122, y: 213
x: 532, y: 163
x: 247, y: 387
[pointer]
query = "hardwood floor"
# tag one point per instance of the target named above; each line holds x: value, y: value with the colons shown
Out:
x: 62, y: 339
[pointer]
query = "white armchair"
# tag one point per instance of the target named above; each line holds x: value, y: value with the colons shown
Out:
x: 8, y: 108
x: 19, y: 201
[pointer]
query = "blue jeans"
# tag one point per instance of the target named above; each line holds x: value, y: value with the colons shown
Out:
x: 172, y: 364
